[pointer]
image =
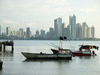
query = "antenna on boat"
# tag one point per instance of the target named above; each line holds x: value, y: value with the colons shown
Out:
x: 51, y: 45
x: 55, y: 45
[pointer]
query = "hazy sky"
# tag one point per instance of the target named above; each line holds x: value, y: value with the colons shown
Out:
x: 40, y: 14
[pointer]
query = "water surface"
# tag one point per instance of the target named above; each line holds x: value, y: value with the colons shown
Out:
x: 16, y: 63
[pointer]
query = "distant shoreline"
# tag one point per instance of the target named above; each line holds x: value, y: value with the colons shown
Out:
x: 58, y: 39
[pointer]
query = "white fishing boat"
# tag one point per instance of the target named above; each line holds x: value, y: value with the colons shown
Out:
x: 62, y: 54
x: 65, y: 55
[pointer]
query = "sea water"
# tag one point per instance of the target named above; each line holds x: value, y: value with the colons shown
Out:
x: 16, y: 64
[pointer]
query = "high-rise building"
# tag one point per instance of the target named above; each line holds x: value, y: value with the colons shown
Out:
x: 65, y: 32
x: 21, y: 32
x: 37, y: 34
x: 69, y: 31
x: 84, y: 30
x: 58, y: 27
x: 93, y: 32
x: 28, y: 32
x: 14, y: 33
x: 55, y: 28
x: 51, y: 32
x: 78, y: 30
x: 88, y: 32
x: 8, y: 31
x: 18, y: 33
x: 48, y: 34
x: 43, y: 33
x: 72, y: 22
x: 63, y: 28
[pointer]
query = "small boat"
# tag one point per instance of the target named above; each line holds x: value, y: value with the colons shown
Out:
x: 85, y: 50
x: 47, y: 56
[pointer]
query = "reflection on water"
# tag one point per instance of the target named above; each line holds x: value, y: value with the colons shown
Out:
x: 7, y: 54
x: 47, y: 60
x: 84, y: 57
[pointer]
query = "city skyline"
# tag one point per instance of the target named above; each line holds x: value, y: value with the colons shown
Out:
x: 41, y: 14
x: 72, y: 31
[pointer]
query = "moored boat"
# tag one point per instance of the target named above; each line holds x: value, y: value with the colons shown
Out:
x: 85, y: 50
x: 46, y: 56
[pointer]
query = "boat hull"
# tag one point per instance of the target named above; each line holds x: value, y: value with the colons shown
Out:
x: 81, y: 54
x: 46, y: 56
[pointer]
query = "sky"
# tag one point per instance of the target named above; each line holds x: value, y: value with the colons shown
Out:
x: 40, y: 14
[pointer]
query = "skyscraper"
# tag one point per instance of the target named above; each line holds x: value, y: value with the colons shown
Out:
x: 28, y: 32
x: 55, y: 28
x: 72, y: 22
x: 63, y: 29
x: 84, y: 30
x: 8, y: 31
x: 78, y: 30
x: 93, y: 32
x: 58, y: 27
x: 51, y: 32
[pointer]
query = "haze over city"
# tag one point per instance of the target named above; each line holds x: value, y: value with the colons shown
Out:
x: 40, y: 14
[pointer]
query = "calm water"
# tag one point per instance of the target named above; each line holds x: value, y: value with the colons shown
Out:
x: 16, y: 63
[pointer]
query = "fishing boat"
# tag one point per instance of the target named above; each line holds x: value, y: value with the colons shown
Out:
x: 85, y: 50
x: 57, y: 54
x: 41, y: 55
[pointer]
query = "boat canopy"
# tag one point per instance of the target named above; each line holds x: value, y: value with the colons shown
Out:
x: 89, y: 47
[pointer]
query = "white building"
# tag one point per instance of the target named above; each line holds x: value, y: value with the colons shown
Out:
x: 84, y: 30
x: 58, y: 27
x: 72, y: 22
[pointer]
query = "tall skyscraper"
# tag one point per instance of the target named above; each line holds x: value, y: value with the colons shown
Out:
x: 28, y: 32
x: 93, y: 32
x: 55, y: 28
x: 8, y: 31
x: 84, y: 30
x: 51, y: 32
x: 58, y: 27
x: 72, y: 22
x: 78, y: 30
x: 63, y: 28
